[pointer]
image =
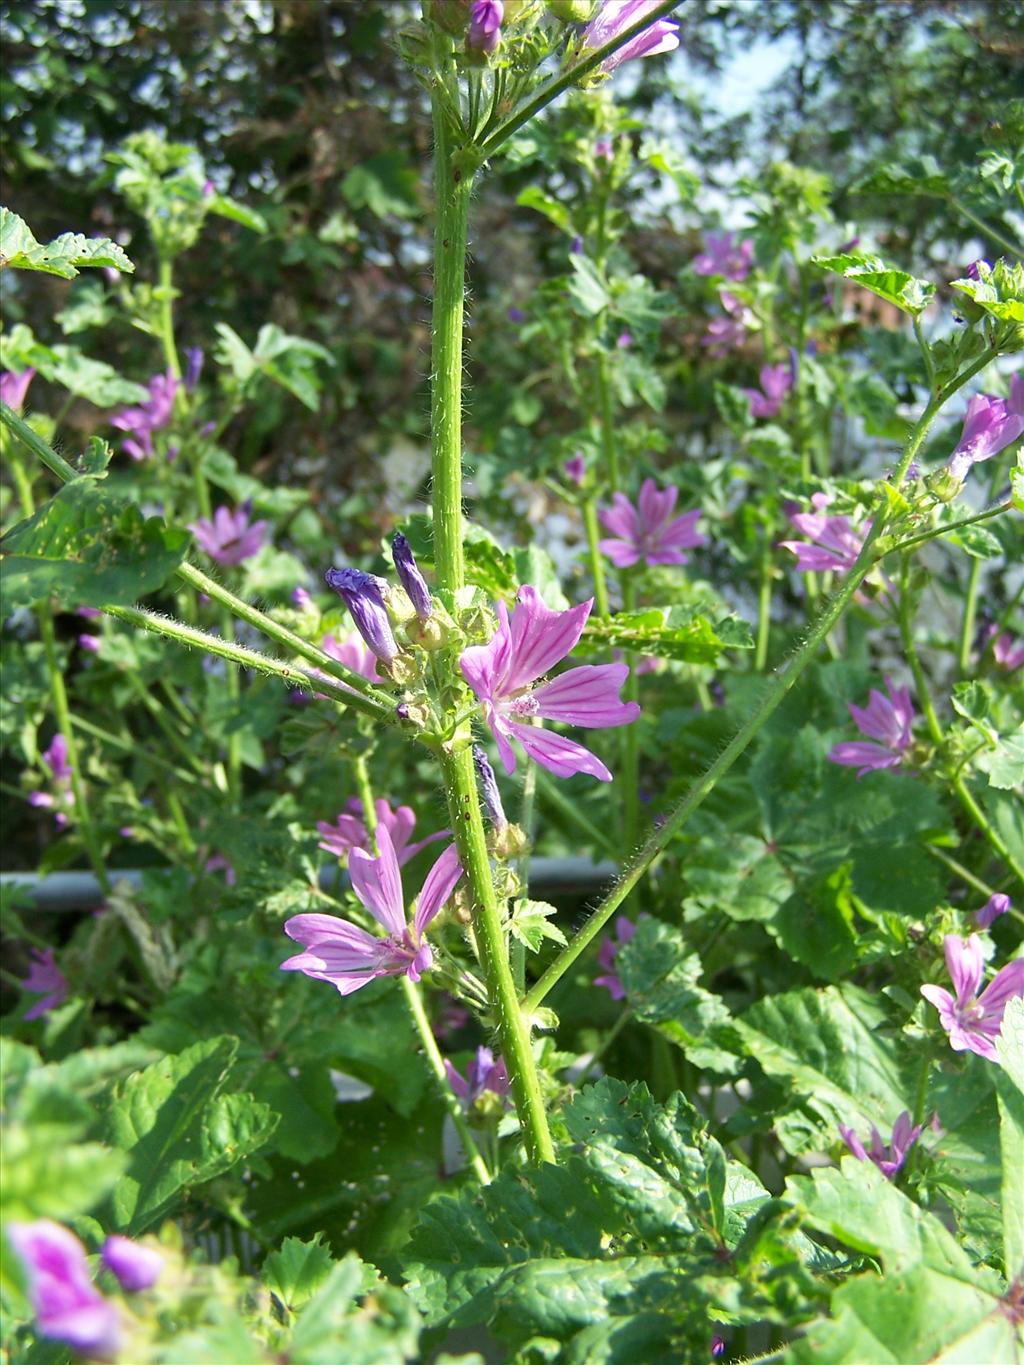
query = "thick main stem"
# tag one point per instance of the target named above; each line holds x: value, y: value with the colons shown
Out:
x: 452, y: 187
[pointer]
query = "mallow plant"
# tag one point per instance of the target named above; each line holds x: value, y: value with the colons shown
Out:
x: 763, y: 1096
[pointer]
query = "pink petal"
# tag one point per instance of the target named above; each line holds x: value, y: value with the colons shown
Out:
x: 622, y: 553
x: 540, y: 638
x: 378, y: 883
x: 587, y: 696
x: 965, y: 963
x: 440, y: 882
x: 560, y: 756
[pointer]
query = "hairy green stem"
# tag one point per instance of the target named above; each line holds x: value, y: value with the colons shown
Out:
x: 62, y: 711
x: 924, y: 697
x: 938, y: 531
x: 294, y: 674
x: 987, y: 228
x: 571, y: 76
x: 452, y: 188
x: 764, y: 606
x: 630, y: 739
x: 594, y: 555
x: 771, y: 698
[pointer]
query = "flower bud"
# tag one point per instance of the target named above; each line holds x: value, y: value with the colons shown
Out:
x: 489, y: 788
x: 484, y: 33
x: 361, y: 593
x: 136, y: 1267
x: 410, y: 577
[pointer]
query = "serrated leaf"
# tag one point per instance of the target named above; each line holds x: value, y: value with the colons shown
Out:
x: 88, y: 547
x: 660, y: 976
x: 1004, y: 764
x: 297, y: 1270
x: 906, y: 292
x: 179, y: 1131
x: 530, y: 924
x: 679, y: 632
x: 587, y: 286
x: 976, y: 541
x: 835, y: 1050
x: 63, y: 256
x: 383, y: 1330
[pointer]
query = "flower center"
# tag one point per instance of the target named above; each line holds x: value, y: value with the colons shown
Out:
x: 524, y: 705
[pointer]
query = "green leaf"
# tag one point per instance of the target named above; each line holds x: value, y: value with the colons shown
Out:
x: 376, y: 1323
x: 976, y: 541
x: 1005, y: 763
x: 998, y: 290
x: 533, y: 197
x: 921, y: 175
x: 871, y: 272
x: 815, y: 926
x: 238, y: 213
x: 588, y: 287
x: 95, y: 380
x: 930, y: 1304
x: 297, y: 1271
x: 385, y: 184
x: 836, y: 1051
x: 1010, y: 1085
x: 530, y: 924
x: 178, y: 1131
x: 679, y: 632
x: 62, y: 256
x: 660, y: 976
x: 88, y: 547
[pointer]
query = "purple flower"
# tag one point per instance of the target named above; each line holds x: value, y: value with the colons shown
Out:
x: 218, y: 863
x: 483, y: 1073
x: 836, y: 543
x: 1005, y: 654
x: 776, y: 381
x: 67, y: 1307
x: 614, y: 17
x: 301, y: 599
x: 353, y: 653
x: 342, y: 953
x: 624, y: 340
x: 61, y: 795
x: 724, y: 255
x: 516, y: 315
x: 576, y: 468
x: 485, y: 18
x: 92, y: 644
x: 502, y: 674
x: 361, y: 593
x: 726, y: 334
x: 973, y: 1021
x: 410, y: 577
x: 608, y: 952
x: 576, y: 245
x: 349, y: 831
x: 649, y: 531
x: 990, y: 426
x: 45, y: 979
x: 889, y: 1159
x: 136, y: 1267
x: 994, y: 907
x: 603, y: 149
x: 717, y: 1346
x: 193, y: 367
x: 230, y: 538
x: 489, y: 788
x: 14, y: 386
x: 972, y: 272
x: 151, y: 416
x: 886, y: 719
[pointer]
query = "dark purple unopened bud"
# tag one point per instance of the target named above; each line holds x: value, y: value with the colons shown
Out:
x: 489, y: 788
x: 972, y: 272
x: 794, y: 364
x: 577, y: 246
x: 361, y: 594
x: 410, y: 577
x: 193, y: 367
x: 403, y: 710
x: 516, y: 315
x: 136, y: 1267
